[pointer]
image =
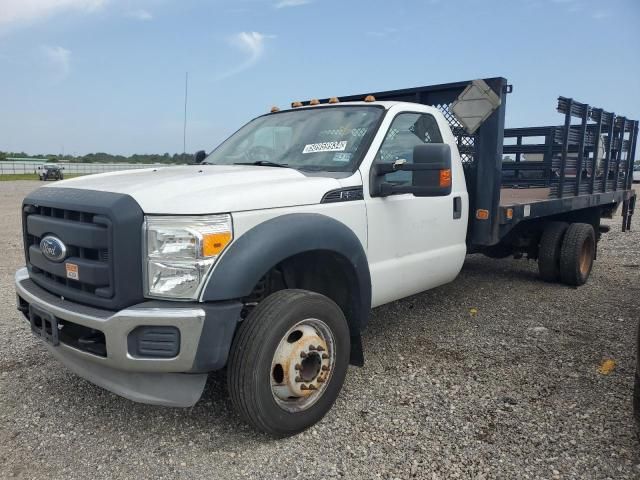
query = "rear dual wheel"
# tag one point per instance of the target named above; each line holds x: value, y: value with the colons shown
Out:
x: 566, y: 252
x: 577, y: 254
x: 288, y: 361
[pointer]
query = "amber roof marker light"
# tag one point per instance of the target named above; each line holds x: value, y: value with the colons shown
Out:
x: 274, y: 109
x: 315, y: 101
x: 296, y: 104
x: 369, y: 98
x: 334, y: 100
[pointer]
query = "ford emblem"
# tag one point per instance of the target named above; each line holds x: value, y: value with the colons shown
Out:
x: 53, y: 248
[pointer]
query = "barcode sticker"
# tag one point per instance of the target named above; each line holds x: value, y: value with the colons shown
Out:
x: 325, y: 147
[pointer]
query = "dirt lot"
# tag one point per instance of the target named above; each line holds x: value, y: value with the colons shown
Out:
x: 511, y: 391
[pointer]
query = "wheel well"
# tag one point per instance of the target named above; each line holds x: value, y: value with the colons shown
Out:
x: 321, y: 271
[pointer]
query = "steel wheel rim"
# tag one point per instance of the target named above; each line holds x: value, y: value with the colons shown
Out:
x: 586, y: 256
x: 302, y: 365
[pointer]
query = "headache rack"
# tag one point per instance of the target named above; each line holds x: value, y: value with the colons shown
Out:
x: 519, y: 174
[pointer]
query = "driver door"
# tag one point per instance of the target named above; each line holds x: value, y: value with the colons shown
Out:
x: 414, y: 243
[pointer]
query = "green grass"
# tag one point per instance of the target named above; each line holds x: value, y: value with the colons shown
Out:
x: 18, y: 176
x: 27, y: 176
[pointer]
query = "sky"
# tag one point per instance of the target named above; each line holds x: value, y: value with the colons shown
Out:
x: 81, y: 76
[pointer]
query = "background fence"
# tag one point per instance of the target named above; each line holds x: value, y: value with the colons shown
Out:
x: 22, y: 167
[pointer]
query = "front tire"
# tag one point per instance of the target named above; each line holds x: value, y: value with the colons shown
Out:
x: 288, y: 361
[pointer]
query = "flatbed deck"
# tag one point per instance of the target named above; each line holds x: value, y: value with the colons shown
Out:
x: 519, y: 196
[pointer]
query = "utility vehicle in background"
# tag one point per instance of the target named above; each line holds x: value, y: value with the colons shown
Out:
x: 268, y: 255
x: 50, y: 172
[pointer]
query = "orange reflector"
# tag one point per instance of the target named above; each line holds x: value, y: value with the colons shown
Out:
x: 482, y: 214
x: 315, y: 101
x: 509, y: 213
x: 296, y: 104
x: 369, y: 98
x: 214, y: 243
x: 334, y: 100
x: 274, y: 109
x: 445, y: 178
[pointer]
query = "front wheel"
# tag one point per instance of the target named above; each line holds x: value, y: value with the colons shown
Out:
x: 288, y: 361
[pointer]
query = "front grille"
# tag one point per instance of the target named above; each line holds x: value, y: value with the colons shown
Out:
x: 102, y: 234
x: 86, y: 237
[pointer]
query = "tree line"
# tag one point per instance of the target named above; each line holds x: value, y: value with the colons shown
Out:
x: 101, y: 157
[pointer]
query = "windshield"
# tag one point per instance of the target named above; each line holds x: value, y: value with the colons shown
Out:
x: 329, y: 139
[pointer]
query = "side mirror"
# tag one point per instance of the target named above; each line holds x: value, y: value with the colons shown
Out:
x: 431, y: 169
x: 199, y: 157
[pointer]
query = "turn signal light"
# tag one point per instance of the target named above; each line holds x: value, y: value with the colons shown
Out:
x: 509, y: 213
x: 445, y: 178
x: 214, y: 243
x: 482, y: 214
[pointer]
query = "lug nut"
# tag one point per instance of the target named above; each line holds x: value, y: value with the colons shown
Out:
x: 303, y: 387
x: 303, y: 354
x: 311, y: 348
x: 298, y: 366
x: 325, y: 368
x: 324, y: 355
x: 298, y: 379
x: 320, y: 348
x: 320, y: 380
x: 312, y: 387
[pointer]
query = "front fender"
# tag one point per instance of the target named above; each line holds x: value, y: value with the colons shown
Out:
x: 264, y: 246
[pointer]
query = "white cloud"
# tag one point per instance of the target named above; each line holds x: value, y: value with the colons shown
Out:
x: 24, y: 11
x: 140, y: 14
x: 58, y: 60
x: 252, y: 44
x: 291, y: 3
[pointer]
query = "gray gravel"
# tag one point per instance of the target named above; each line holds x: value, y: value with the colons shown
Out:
x: 510, y: 392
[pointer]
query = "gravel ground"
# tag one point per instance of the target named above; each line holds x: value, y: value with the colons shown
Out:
x: 511, y: 391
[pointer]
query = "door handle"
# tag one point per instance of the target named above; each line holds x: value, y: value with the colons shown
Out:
x: 457, y: 208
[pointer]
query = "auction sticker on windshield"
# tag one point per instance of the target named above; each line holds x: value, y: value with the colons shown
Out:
x: 325, y: 147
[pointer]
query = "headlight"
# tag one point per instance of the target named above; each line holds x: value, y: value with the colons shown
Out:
x: 180, y: 251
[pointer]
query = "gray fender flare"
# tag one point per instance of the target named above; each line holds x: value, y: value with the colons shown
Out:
x: 264, y: 246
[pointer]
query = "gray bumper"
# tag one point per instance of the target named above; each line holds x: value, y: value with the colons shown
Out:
x: 168, y: 389
x: 205, y: 338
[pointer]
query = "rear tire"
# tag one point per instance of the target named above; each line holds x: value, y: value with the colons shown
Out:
x: 549, y: 251
x: 267, y: 368
x: 577, y: 254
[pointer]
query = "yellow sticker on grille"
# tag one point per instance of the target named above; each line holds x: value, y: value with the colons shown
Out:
x: 72, y: 271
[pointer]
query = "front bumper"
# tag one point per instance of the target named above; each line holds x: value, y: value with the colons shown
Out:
x: 205, y: 334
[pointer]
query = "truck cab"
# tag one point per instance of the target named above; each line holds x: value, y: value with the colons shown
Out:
x: 267, y: 256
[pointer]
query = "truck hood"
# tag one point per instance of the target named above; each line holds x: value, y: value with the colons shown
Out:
x: 201, y: 189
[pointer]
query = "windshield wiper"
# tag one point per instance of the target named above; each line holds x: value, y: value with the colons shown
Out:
x: 264, y: 163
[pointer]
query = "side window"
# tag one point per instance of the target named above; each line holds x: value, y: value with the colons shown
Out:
x: 406, y: 131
